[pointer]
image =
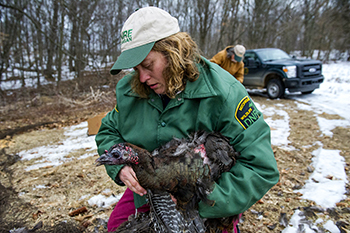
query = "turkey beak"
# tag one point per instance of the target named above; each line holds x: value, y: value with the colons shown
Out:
x: 106, y: 159
x: 103, y: 159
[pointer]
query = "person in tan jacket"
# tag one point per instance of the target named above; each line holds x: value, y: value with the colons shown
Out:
x: 230, y: 59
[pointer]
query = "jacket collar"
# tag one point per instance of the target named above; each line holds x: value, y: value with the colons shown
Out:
x: 201, y: 88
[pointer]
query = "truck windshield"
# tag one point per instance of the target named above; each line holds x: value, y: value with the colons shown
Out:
x: 272, y: 54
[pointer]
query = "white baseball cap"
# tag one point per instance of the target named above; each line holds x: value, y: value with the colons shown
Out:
x: 239, y: 51
x: 140, y: 31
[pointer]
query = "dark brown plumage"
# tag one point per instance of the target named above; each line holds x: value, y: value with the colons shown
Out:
x: 185, y: 168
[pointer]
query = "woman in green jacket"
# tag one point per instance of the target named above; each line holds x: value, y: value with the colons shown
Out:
x: 172, y: 92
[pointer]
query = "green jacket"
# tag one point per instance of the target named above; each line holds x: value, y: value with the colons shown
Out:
x: 214, y: 102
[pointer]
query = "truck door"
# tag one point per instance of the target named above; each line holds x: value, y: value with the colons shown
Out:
x: 252, y: 70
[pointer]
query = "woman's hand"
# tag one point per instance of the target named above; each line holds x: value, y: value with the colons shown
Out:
x: 128, y: 177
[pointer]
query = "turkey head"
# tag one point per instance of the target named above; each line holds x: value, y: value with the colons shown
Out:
x: 118, y: 154
x: 139, y: 159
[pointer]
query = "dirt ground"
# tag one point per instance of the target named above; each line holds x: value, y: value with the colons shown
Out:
x: 24, y: 205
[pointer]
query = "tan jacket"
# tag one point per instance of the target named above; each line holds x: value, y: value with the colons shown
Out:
x: 236, y: 69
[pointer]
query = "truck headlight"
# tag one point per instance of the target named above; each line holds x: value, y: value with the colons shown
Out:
x: 291, y: 71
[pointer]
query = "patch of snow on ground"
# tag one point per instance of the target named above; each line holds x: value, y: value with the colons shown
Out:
x: 326, y: 185
x: 54, y: 155
x: 103, y: 201
x: 327, y: 126
x: 279, y: 127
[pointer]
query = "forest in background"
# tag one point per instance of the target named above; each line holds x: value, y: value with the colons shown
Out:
x: 38, y: 38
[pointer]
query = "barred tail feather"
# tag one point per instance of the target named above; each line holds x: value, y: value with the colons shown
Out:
x: 166, y: 218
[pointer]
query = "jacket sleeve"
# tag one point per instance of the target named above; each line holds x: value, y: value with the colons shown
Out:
x: 239, y: 75
x: 107, y: 136
x: 255, y: 171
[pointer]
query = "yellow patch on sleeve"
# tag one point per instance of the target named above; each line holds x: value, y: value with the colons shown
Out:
x: 246, y: 113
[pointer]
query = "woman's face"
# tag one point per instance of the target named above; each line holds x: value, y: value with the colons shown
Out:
x: 151, y: 71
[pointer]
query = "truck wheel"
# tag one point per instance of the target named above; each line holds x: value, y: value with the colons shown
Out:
x: 274, y: 89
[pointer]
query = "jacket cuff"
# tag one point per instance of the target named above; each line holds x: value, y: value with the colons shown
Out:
x: 118, y: 181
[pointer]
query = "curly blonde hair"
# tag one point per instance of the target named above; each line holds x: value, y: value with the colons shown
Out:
x: 182, y: 54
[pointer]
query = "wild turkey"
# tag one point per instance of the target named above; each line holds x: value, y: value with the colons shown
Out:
x: 185, y: 168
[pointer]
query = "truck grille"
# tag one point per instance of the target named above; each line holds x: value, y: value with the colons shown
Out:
x: 310, y: 70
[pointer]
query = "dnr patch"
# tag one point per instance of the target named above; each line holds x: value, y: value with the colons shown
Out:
x: 246, y: 113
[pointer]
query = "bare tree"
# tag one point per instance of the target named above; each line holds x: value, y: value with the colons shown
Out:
x: 288, y: 35
x: 263, y: 20
x: 341, y: 16
x: 80, y: 14
x: 201, y: 14
x: 10, y: 31
x: 59, y: 60
x: 311, y: 12
x: 229, y: 25
x: 52, y: 44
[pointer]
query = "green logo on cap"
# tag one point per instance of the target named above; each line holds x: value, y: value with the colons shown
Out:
x: 126, y: 36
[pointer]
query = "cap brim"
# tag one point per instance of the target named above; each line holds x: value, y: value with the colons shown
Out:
x: 131, y: 58
x: 237, y: 58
